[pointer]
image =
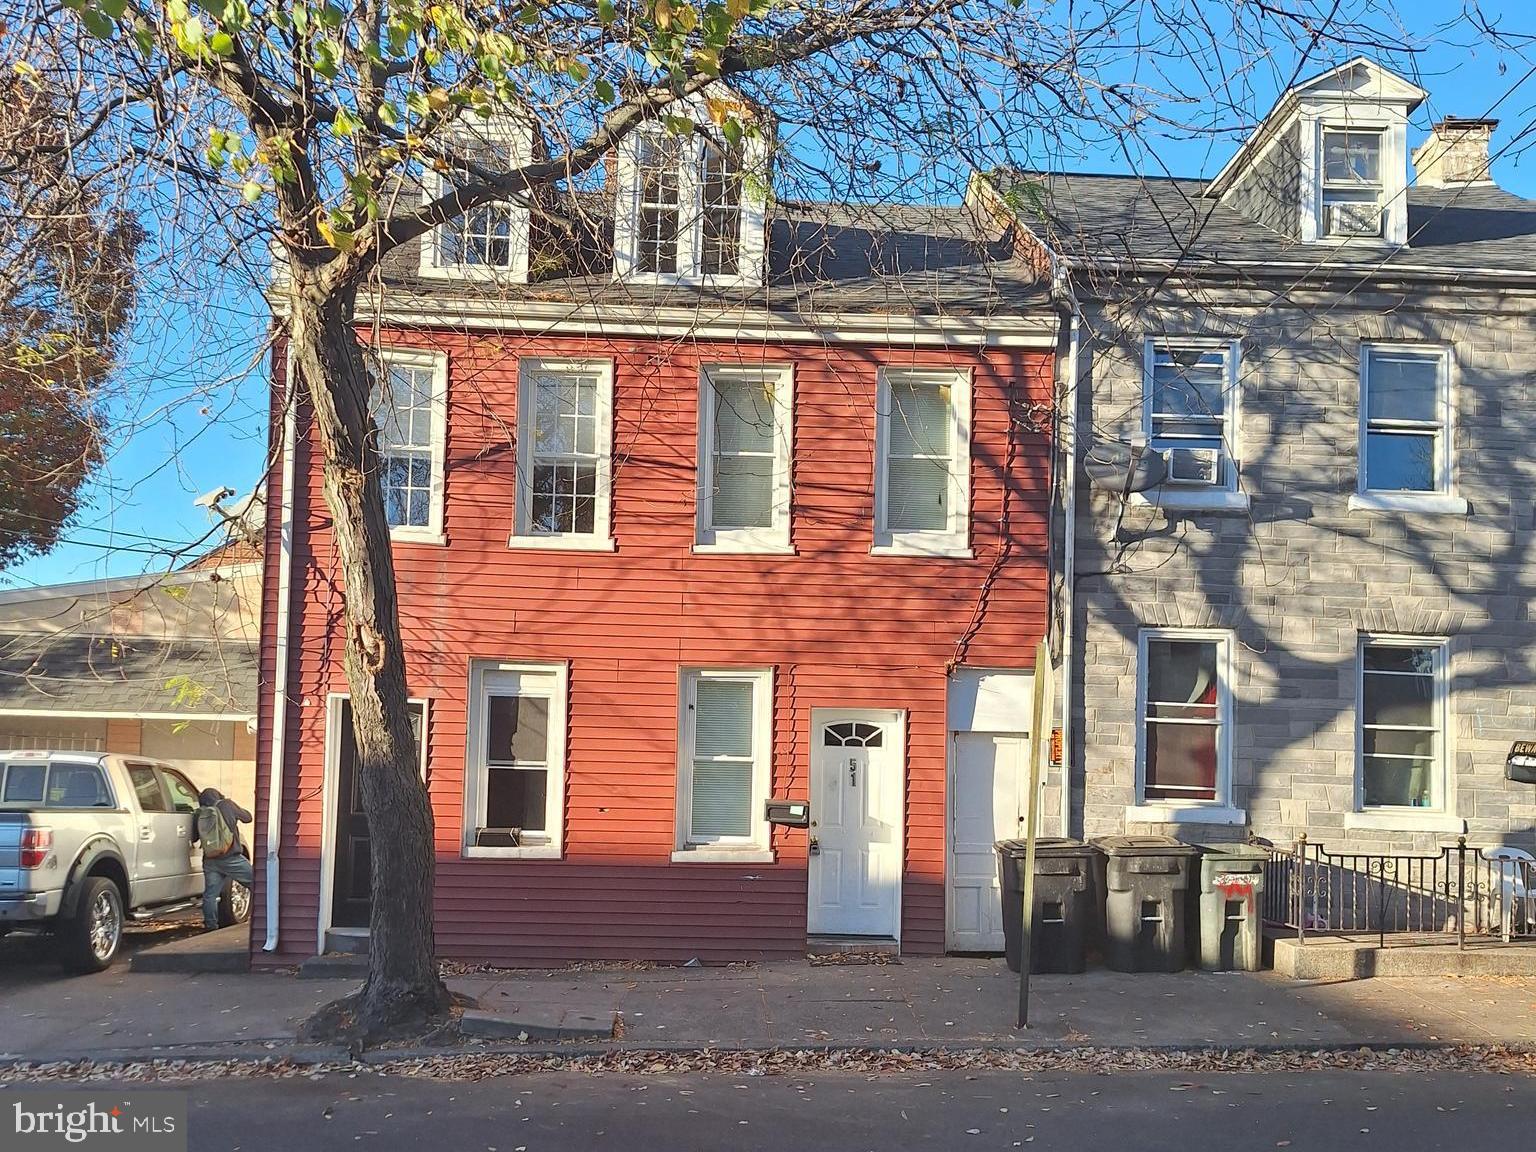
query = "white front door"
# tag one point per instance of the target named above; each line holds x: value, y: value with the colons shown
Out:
x: 989, y: 776
x: 856, y: 829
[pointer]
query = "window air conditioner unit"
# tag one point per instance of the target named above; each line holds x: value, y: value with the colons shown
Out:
x: 1194, y: 465
x: 1348, y: 219
x: 498, y: 837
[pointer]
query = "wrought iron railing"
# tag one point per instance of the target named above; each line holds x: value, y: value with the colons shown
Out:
x: 1455, y: 891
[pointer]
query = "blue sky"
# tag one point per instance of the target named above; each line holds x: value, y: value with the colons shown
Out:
x: 193, y: 413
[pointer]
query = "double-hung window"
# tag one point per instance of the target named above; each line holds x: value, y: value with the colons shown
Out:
x: 743, y: 498
x: 1185, y: 712
x: 1353, y: 190
x: 725, y: 741
x: 564, y: 454
x: 923, y: 462
x: 1406, y: 416
x: 690, y: 207
x: 488, y: 241
x: 409, y: 409
x: 1189, y: 401
x: 721, y: 204
x: 515, y: 785
x: 1402, y: 723
x: 659, y: 162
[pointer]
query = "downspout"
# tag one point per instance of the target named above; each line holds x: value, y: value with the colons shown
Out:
x: 280, y: 668
x: 1069, y: 546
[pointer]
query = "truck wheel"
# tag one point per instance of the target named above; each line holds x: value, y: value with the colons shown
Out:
x: 234, y: 904
x: 90, y: 939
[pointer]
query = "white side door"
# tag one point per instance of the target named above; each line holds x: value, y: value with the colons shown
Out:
x: 857, y: 801
x: 989, y: 776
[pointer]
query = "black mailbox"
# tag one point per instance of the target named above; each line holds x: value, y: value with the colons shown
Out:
x: 1521, y: 765
x: 790, y: 813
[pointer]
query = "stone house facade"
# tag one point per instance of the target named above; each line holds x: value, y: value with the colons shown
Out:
x: 1300, y: 595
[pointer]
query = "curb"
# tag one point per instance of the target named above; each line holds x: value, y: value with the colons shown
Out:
x: 306, y: 1055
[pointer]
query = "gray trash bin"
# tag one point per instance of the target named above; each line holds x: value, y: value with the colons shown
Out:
x: 1231, y: 907
x: 1146, y: 904
x: 1065, y: 907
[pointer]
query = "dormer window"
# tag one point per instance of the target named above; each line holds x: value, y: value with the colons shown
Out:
x: 1353, y: 190
x: 685, y: 210
x: 1329, y: 164
x: 722, y: 210
x: 660, y: 163
x: 488, y: 242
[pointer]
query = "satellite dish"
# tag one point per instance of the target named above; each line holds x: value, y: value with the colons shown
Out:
x: 1118, y: 467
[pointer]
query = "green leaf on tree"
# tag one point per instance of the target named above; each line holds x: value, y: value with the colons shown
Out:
x: 97, y: 23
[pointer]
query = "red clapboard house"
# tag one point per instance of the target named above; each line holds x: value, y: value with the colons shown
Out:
x: 721, y: 505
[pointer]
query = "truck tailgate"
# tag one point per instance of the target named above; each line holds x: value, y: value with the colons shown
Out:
x: 11, y: 826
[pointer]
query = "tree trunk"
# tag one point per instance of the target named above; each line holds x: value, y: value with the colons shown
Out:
x: 403, y: 987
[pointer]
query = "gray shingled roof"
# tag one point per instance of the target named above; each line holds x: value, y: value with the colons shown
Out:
x: 1154, y: 220
x: 898, y: 258
x: 74, y: 674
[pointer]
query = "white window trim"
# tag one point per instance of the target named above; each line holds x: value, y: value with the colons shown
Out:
x: 1442, y: 498
x: 600, y: 539
x: 1439, y: 816
x: 757, y: 848
x: 1428, y: 503
x: 518, y: 135
x: 1179, y: 500
x: 437, y: 362
x: 1188, y: 811
x: 1392, y: 123
x: 1192, y: 813
x: 775, y: 538
x: 553, y: 845
x: 955, y: 540
x: 752, y: 253
x: 1213, y: 497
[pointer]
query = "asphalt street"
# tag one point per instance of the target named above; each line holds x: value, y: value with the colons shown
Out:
x: 564, y: 1112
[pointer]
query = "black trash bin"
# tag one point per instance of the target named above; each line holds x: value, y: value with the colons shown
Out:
x: 1146, y: 902
x: 1065, y: 903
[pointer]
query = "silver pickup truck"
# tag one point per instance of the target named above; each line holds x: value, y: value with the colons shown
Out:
x: 87, y: 840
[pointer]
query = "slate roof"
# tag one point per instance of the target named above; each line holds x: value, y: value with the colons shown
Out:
x: 68, y: 673
x: 897, y: 258
x: 1150, y: 219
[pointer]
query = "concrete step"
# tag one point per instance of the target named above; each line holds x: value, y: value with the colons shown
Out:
x: 1331, y: 958
x: 223, y: 950
x: 331, y: 965
x: 829, y: 945
x: 349, y: 940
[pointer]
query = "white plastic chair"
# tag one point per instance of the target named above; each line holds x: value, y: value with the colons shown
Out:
x: 1517, y: 871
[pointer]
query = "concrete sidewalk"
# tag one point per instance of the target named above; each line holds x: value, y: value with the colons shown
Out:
x: 961, y: 1001
x: 915, y: 1003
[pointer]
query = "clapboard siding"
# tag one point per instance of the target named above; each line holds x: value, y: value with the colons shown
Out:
x: 840, y: 627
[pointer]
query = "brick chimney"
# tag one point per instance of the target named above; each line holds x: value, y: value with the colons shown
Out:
x: 1456, y: 153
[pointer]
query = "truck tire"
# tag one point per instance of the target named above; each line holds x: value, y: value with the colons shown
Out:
x: 234, y: 904
x: 89, y: 940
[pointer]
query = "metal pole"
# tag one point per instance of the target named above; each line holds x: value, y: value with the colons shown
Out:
x: 1038, y: 741
x: 1461, y: 893
x: 1301, y: 889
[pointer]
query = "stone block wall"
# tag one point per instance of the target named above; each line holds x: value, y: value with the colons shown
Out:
x: 1300, y: 576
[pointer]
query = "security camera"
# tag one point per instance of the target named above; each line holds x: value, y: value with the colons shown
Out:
x: 211, y: 499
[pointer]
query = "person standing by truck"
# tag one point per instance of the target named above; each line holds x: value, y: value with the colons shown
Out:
x: 217, y: 828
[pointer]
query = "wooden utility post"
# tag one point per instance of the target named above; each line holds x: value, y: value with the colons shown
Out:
x: 1039, y: 740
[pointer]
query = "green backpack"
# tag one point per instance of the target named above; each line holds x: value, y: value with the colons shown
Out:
x: 213, y: 831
